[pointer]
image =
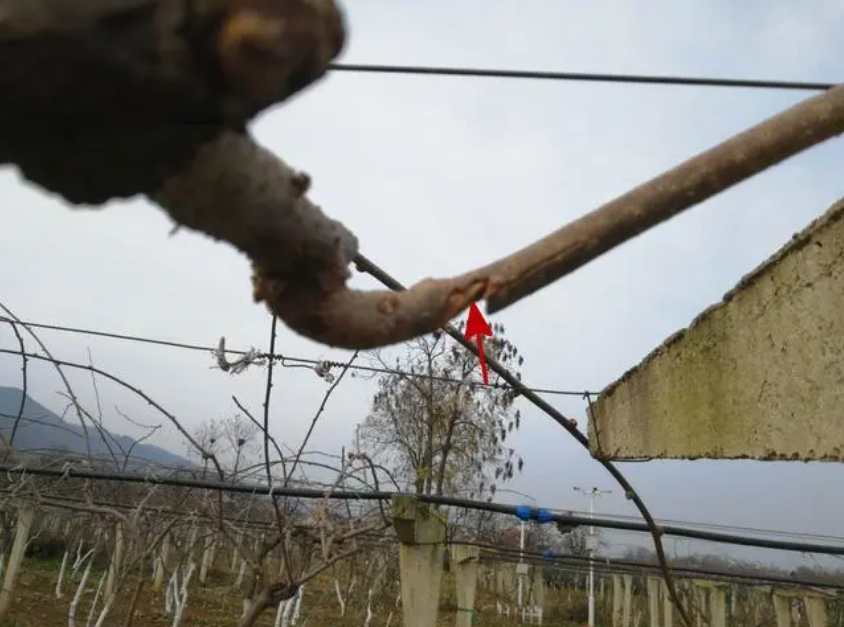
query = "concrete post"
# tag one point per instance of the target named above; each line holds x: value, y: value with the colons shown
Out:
x: 161, y: 563
x: 535, y: 591
x: 421, y: 534
x: 816, y: 610
x: 511, y: 577
x: 497, y: 581
x: 26, y: 516
x: 209, y: 549
x: 617, y: 595
x: 718, y: 606
x: 700, y: 598
x: 464, y: 563
x: 667, y: 606
x: 756, y: 600
x: 626, y: 615
x: 115, y: 566
x: 653, y: 601
x: 782, y: 609
x: 536, y: 596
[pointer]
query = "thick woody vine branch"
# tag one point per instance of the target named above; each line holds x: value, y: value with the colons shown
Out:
x: 358, y: 319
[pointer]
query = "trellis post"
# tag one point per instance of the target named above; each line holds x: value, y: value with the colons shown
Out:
x: 782, y: 609
x: 627, y: 603
x: 421, y: 534
x: 617, y: 597
x: 817, y: 610
x: 26, y: 517
x: 718, y: 605
x: 653, y: 601
x: 667, y: 605
x: 464, y: 563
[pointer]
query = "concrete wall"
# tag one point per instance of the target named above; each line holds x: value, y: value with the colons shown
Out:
x: 759, y: 375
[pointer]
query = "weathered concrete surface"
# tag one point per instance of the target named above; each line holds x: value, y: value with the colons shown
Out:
x: 759, y: 375
x: 464, y: 559
x: 422, y: 533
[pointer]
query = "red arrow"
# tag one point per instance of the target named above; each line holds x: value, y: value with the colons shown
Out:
x: 477, y: 326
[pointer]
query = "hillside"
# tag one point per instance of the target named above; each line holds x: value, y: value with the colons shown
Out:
x: 43, y: 431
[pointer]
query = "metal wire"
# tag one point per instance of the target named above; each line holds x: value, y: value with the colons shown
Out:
x: 642, y: 79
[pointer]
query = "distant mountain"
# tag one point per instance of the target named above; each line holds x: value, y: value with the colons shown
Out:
x: 43, y: 432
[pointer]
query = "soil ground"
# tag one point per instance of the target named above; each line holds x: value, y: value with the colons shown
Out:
x: 217, y: 604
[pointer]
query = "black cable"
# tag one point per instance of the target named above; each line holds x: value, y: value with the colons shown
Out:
x: 464, y: 72
x: 609, y: 566
x: 277, y: 356
x: 602, y: 565
x: 690, y: 523
x: 687, y: 524
x: 539, y: 558
x: 494, y: 552
x: 498, y: 508
x: 618, y: 567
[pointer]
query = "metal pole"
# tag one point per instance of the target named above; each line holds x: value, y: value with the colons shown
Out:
x: 591, y: 562
x: 521, y: 561
x: 519, y: 574
x: 590, y: 547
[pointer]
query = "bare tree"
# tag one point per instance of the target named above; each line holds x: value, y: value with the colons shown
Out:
x: 573, y: 541
x: 234, y: 440
x: 436, y: 427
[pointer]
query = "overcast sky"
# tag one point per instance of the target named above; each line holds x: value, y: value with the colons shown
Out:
x: 438, y: 175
